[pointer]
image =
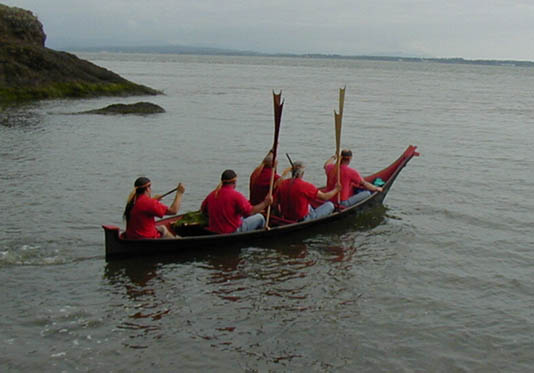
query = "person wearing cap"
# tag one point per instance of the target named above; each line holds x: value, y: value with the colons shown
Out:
x: 141, y: 209
x: 229, y: 211
x: 260, y: 179
x: 294, y: 197
x: 350, y: 179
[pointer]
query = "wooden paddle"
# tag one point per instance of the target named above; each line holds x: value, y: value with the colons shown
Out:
x: 337, y: 119
x: 278, y: 106
x: 290, y: 161
x: 166, y: 194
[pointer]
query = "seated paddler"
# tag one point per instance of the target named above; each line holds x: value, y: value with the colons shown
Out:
x: 294, y: 197
x: 260, y: 179
x: 142, y: 208
x: 230, y: 211
x: 354, y: 187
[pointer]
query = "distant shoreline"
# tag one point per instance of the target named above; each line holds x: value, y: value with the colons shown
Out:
x: 230, y: 52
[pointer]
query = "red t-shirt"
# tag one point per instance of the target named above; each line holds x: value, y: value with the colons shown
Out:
x: 260, y: 184
x: 141, y: 223
x: 294, y: 196
x: 226, y: 210
x: 349, y: 178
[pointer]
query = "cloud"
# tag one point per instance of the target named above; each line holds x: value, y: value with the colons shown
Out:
x: 471, y: 29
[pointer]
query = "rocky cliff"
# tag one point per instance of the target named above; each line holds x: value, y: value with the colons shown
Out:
x: 30, y: 71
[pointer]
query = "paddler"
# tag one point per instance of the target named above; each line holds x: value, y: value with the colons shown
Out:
x: 260, y: 179
x: 354, y: 187
x: 294, y: 197
x: 229, y: 211
x: 141, y: 209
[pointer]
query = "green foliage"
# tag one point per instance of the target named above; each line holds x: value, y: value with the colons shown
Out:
x: 192, y: 218
x: 67, y: 89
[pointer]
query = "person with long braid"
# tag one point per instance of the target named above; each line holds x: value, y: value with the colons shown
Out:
x: 294, y: 197
x: 229, y: 211
x: 141, y: 209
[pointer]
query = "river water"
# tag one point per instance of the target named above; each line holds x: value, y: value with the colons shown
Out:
x: 440, y: 279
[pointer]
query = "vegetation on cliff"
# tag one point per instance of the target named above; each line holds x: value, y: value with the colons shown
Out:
x: 30, y: 71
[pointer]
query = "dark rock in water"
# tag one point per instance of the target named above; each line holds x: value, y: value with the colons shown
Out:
x: 30, y: 71
x: 137, y: 108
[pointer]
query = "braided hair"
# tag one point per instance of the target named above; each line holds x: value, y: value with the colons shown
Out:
x: 140, y: 186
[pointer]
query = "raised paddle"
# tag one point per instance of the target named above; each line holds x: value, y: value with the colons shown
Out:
x: 166, y: 194
x: 338, y: 118
x: 278, y: 106
x: 290, y: 161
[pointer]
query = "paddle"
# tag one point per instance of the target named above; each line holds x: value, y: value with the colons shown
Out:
x: 290, y: 161
x: 166, y: 194
x: 337, y: 119
x: 278, y: 106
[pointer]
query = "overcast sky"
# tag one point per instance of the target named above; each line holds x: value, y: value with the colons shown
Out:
x: 472, y: 29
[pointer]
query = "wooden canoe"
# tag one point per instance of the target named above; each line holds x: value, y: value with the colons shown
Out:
x: 196, y: 238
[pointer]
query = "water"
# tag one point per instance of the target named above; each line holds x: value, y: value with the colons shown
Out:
x: 439, y: 280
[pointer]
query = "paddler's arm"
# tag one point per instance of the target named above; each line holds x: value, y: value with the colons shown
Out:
x: 325, y: 196
x: 175, y: 205
x: 286, y: 172
x: 367, y: 185
x: 262, y: 205
x: 329, y: 161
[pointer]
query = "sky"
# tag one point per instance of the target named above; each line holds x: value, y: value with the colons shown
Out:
x: 470, y: 29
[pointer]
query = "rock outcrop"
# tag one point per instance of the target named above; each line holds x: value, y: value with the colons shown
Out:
x: 30, y: 71
x: 142, y: 108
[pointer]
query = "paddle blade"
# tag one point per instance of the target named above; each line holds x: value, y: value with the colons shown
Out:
x: 341, y: 100
x: 337, y: 118
x: 278, y: 106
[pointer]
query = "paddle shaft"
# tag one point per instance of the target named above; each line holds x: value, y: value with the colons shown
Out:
x: 338, y: 120
x: 278, y: 106
x: 290, y: 161
x: 169, y: 192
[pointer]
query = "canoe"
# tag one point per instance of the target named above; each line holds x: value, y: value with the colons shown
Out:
x: 196, y: 237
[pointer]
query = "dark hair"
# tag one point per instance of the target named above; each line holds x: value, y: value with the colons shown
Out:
x: 228, y: 175
x: 345, y: 153
x: 140, y: 185
x: 140, y: 181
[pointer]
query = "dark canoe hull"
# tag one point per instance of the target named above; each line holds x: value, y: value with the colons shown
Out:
x: 119, y: 247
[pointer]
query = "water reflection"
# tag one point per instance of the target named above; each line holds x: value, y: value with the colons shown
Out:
x: 341, y: 254
x: 237, y: 295
x: 135, y: 275
x: 20, y: 117
x: 138, y: 280
x: 270, y: 263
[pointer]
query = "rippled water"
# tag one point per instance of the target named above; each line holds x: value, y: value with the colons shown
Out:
x: 438, y: 280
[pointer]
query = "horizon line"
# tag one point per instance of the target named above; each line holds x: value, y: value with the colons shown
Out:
x: 201, y: 50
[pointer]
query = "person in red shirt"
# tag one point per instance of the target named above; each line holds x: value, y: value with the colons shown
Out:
x: 141, y: 209
x: 260, y: 179
x: 351, y: 181
x: 294, y: 196
x: 229, y: 211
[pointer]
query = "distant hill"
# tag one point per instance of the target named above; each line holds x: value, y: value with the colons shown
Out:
x: 180, y: 49
x: 29, y: 70
x: 166, y: 49
x: 435, y: 60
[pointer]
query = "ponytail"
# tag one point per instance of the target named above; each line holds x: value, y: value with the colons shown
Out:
x: 140, y: 186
